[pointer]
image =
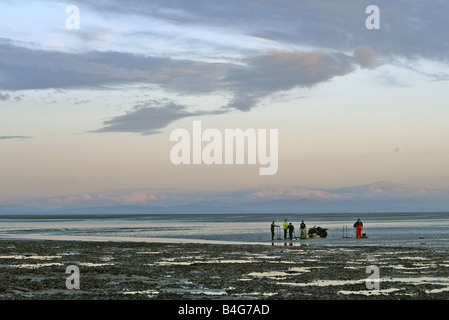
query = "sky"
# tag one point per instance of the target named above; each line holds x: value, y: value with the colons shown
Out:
x: 86, y: 110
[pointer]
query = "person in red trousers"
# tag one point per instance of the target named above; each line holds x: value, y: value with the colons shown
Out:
x: 359, y: 226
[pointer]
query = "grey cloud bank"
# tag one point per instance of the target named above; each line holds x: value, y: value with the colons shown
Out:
x: 4, y: 97
x: 13, y: 137
x: 409, y: 28
x: 324, y: 40
x: 149, y: 117
x: 261, y: 75
x: 284, y: 70
x: 27, y: 69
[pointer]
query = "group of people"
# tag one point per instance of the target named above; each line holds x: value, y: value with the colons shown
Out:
x: 289, y: 228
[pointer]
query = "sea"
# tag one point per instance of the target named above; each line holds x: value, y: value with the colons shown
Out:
x: 416, y: 229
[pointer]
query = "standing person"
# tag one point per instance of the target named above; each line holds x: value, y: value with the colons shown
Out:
x: 273, y: 225
x: 291, y: 228
x: 302, y: 230
x: 359, y: 226
x: 285, y: 229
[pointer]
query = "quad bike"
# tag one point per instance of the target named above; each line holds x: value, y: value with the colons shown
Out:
x: 319, y: 231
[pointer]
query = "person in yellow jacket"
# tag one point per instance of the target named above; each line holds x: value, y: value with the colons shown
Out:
x: 303, y: 230
x: 285, y: 228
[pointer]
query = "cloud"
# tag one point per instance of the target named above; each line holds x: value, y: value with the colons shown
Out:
x: 78, y: 102
x: 261, y: 76
x: 336, y: 31
x: 248, y: 83
x: 13, y: 137
x: 374, y: 197
x: 4, y: 96
x: 281, y: 70
x: 151, y: 116
x: 410, y: 29
x: 26, y: 69
x: 366, y: 57
x: 95, y: 37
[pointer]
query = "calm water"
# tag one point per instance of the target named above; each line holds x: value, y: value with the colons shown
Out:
x: 385, y: 229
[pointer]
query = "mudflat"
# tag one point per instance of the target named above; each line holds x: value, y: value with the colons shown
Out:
x: 132, y: 270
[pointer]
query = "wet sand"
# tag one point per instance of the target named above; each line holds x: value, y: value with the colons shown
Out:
x: 126, y: 270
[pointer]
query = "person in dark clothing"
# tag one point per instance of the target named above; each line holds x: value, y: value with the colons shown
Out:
x: 303, y: 230
x: 290, y: 228
x: 273, y: 226
x: 359, y: 226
